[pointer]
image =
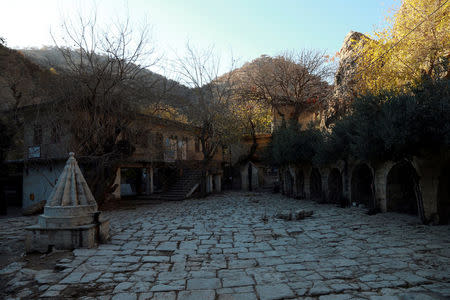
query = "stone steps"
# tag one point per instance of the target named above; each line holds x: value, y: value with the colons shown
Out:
x: 182, y: 186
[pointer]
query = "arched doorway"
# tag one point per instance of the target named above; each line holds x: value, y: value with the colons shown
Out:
x: 300, y: 184
x: 444, y: 196
x: 335, y: 187
x: 362, y: 186
x: 315, y: 184
x: 401, y: 189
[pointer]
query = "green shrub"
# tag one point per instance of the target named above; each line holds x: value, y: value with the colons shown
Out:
x: 380, y: 127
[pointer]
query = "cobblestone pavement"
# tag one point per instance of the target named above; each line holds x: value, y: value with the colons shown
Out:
x: 221, y: 248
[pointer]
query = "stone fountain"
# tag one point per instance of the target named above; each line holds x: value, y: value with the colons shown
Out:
x: 71, y: 219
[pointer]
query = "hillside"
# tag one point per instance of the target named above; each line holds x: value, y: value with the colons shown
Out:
x: 22, y: 81
x: 166, y: 94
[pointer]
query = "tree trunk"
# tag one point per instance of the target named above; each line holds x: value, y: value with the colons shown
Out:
x: 254, y: 140
x: 100, y: 180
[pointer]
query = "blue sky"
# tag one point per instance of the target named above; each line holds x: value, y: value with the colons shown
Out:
x: 248, y: 28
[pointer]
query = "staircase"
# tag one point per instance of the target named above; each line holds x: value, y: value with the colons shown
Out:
x: 269, y: 183
x: 183, y: 188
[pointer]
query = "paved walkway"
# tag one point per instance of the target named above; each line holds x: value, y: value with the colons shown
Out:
x: 222, y: 247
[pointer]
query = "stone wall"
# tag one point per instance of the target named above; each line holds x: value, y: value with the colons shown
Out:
x: 385, y: 184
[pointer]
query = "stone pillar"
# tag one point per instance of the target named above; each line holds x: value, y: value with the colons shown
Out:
x: 429, y: 186
x: 218, y: 183
x: 307, y: 177
x: 347, y: 181
x: 380, y: 181
x: 149, y: 182
x: 209, y: 184
x: 292, y: 170
x: 324, y: 174
x: 255, y: 177
x: 244, y: 177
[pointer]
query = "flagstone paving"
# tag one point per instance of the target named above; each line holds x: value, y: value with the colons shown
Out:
x: 222, y: 247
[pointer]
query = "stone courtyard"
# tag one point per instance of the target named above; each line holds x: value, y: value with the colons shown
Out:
x: 231, y: 246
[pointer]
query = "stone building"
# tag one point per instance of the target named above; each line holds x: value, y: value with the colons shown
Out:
x: 167, y: 152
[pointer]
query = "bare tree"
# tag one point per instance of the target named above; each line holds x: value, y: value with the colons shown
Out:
x: 253, y: 115
x: 102, y: 91
x: 293, y: 79
x: 210, y: 110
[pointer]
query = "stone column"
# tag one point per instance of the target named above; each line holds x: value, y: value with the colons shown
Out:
x: 324, y: 174
x: 347, y: 181
x: 307, y: 185
x: 293, y: 171
x: 209, y: 184
x: 149, y: 181
x: 218, y: 183
x: 380, y: 181
x: 244, y: 177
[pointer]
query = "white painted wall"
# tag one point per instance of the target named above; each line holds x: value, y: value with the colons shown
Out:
x: 38, y: 181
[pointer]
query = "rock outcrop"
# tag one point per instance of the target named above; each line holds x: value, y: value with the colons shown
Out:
x: 344, y: 88
x: 344, y: 80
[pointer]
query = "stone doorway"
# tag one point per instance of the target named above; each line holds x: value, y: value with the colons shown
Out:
x: 362, y: 186
x: 335, y: 187
x: 401, y: 189
x: 444, y: 196
x: 315, y: 184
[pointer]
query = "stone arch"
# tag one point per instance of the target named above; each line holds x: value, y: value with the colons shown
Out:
x: 362, y: 186
x: 402, y: 189
x: 443, y: 196
x: 335, y: 186
x: 315, y: 184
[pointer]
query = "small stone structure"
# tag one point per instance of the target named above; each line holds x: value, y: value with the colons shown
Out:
x: 70, y: 218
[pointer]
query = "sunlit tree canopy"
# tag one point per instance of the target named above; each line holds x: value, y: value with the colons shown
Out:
x: 415, y: 44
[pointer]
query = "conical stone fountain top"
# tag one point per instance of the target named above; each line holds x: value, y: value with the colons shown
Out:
x: 71, y: 189
x: 71, y: 201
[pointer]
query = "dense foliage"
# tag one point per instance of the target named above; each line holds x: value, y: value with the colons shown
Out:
x: 385, y: 126
x: 416, y: 42
x: 293, y: 144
